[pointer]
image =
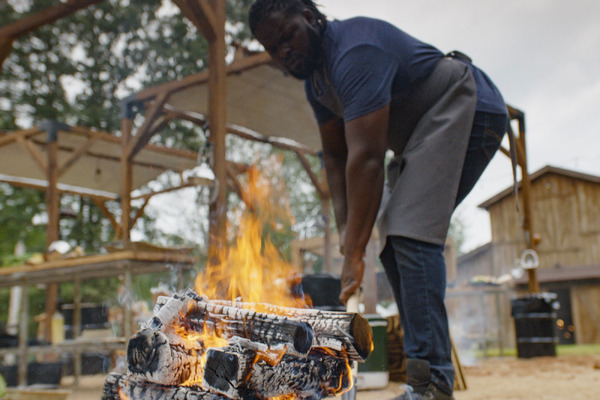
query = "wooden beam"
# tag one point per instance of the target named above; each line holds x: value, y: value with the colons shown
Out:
x: 76, y: 155
x: 12, y: 137
x: 206, y: 17
x: 144, y: 134
x: 197, y: 182
x: 30, y: 185
x: 6, y: 46
x: 202, y: 77
x: 201, y: 15
x: 139, y: 212
x: 108, y: 215
x: 32, y: 22
x: 218, y: 129
x: 234, y: 182
x: 247, y: 134
x: 126, y: 180
x: 107, y: 137
x: 34, y: 152
x: 319, y: 184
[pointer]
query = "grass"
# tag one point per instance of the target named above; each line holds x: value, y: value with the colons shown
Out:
x: 578, y: 349
x: 561, y: 350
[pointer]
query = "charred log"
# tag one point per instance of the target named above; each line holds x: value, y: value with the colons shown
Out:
x: 345, y: 331
x: 120, y: 386
x: 163, y: 359
x: 228, y: 321
x: 243, y: 374
x: 240, y: 350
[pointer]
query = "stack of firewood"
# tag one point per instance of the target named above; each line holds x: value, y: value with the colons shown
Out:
x: 196, y: 348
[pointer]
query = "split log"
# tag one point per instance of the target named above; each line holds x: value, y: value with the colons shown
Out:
x: 239, y: 374
x: 197, y: 315
x: 120, y: 386
x: 341, y: 331
x: 261, y: 350
x: 163, y: 359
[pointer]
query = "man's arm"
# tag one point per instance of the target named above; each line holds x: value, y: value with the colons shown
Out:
x: 335, y: 154
x: 366, y: 143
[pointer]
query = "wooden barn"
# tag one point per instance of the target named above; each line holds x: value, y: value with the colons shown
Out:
x: 565, y: 220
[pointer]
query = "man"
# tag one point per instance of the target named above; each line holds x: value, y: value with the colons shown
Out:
x: 374, y: 88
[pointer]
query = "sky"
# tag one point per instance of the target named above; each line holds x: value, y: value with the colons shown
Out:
x: 544, y: 56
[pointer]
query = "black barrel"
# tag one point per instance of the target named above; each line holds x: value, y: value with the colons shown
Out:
x: 535, y: 322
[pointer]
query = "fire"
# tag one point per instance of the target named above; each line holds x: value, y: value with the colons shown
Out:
x: 122, y: 395
x: 252, y: 268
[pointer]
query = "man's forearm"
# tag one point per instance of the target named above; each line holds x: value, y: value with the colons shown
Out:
x: 363, y: 198
x: 336, y: 179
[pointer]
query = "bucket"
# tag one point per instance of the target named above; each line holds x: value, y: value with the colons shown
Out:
x: 535, y: 319
x: 373, y: 373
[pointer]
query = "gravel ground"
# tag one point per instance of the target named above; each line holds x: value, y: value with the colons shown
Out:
x: 508, y: 378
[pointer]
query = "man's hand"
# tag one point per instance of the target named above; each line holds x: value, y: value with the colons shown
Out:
x: 352, y: 276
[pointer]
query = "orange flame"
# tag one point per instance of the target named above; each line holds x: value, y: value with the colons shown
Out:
x: 122, y: 395
x: 252, y: 268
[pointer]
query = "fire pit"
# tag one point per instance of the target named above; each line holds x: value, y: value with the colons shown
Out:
x: 197, y: 348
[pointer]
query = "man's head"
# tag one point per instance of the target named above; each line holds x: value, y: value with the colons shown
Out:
x: 290, y: 30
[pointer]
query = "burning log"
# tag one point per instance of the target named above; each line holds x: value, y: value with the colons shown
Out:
x: 241, y: 350
x: 200, y: 315
x: 240, y: 375
x: 342, y: 331
x: 120, y: 387
x: 163, y: 359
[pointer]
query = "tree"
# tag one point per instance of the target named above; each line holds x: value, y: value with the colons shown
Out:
x: 79, y: 69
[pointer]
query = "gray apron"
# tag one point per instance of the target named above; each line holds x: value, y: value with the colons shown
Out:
x: 429, y: 135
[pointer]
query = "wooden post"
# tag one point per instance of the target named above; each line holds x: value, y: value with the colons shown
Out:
x: 327, y: 261
x: 218, y: 130
x: 23, y: 324
x: 52, y: 209
x: 533, y: 284
x: 77, y: 328
x: 127, y: 311
x: 126, y: 173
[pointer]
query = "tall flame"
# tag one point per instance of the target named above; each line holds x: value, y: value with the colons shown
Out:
x: 252, y: 268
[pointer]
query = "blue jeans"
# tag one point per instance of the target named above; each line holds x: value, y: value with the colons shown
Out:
x: 416, y: 270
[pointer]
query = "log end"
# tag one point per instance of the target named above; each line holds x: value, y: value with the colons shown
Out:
x: 143, y: 351
x: 303, y: 338
x: 362, y: 333
x: 220, y: 371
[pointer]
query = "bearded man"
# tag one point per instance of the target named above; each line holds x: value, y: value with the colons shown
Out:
x: 375, y: 88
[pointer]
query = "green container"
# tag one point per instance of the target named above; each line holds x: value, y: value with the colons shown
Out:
x: 373, y: 373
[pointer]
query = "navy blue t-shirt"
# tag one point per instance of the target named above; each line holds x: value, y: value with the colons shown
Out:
x: 369, y: 62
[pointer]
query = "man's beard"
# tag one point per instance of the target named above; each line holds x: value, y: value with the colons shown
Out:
x: 313, y: 60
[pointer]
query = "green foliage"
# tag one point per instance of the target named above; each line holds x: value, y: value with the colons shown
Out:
x: 17, y: 208
x: 2, y: 387
x: 79, y: 69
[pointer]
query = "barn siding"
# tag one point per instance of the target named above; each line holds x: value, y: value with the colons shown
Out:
x: 566, y: 214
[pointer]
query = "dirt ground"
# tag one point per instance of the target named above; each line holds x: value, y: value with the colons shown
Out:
x: 508, y: 378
